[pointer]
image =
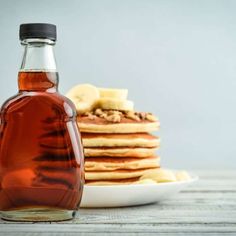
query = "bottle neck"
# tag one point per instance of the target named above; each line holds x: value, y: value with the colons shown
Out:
x: 38, y: 55
x: 38, y: 70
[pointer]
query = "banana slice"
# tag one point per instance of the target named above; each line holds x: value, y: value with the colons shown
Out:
x: 182, y: 176
x: 84, y: 96
x: 159, y: 175
x: 113, y: 93
x: 115, y: 104
x: 146, y: 181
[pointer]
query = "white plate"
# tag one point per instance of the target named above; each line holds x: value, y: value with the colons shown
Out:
x: 132, y: 194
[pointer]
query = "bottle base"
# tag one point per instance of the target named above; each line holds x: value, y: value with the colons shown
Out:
x: 38, y: 214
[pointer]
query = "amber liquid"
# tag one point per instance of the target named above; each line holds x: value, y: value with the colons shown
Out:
x: 41, y: 158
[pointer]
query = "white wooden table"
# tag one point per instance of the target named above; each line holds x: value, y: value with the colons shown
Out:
x: 207, y: 207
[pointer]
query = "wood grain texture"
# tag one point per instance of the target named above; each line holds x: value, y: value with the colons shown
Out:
x: 206, y: 207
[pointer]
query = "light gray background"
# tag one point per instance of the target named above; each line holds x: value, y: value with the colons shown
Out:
x: 177, y: 58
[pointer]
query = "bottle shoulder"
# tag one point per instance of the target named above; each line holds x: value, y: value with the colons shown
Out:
x: 10, y: 101
x: 39, y: 101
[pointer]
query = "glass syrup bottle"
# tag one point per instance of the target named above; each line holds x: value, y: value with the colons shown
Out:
x: 41, y: 157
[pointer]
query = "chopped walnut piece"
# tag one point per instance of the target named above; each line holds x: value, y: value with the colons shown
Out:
x: 98, y: 112
x: 113, y: 118
x: 110, y: 112
x: 114, y: 112
x: 91, y: 116
x: 103, y: 115
x: 142, y: 115
x: 150, y: 117
x: 87, y: 113
x: 132, y: 115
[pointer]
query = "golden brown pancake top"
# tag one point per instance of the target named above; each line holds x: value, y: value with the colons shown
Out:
x: 122, y: 170
x: 130, y: 180
x: 102, y: 121
x: 115, y: 160
x: 101, y: 116
x: 120, y: 148
x: 119, y: 136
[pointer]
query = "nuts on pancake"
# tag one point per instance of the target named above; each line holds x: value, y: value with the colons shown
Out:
x: 113, y: 118
x: 91, y: 116
x: 142, y: 115
x: 112, y: 112
x: 150, y: 117
x: 87, y: 113
x: 103, y: 115
x: 98, y: 112
x: 116, y: 116
x: 132, y: 115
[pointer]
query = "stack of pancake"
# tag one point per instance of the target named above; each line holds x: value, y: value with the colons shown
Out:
x: 118, y: 151
x: 118, y: 145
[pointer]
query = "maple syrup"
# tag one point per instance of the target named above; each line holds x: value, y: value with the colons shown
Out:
x: 41, y: 156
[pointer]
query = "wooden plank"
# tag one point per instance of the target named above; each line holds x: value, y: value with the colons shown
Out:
x: 121, y: 228
x: 118, y: 234
x: 169, y: 213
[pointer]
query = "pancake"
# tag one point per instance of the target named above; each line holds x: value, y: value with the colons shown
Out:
x: 125, y: 125
x: 109, y: 163
x: 118, y: 128
x: 120, y: 182
x: 120, y: 140
x: 119, y: 152
x: 112, y: 182
x: 115, y: 174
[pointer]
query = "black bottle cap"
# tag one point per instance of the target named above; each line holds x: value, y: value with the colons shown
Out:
x: 38, y: 30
